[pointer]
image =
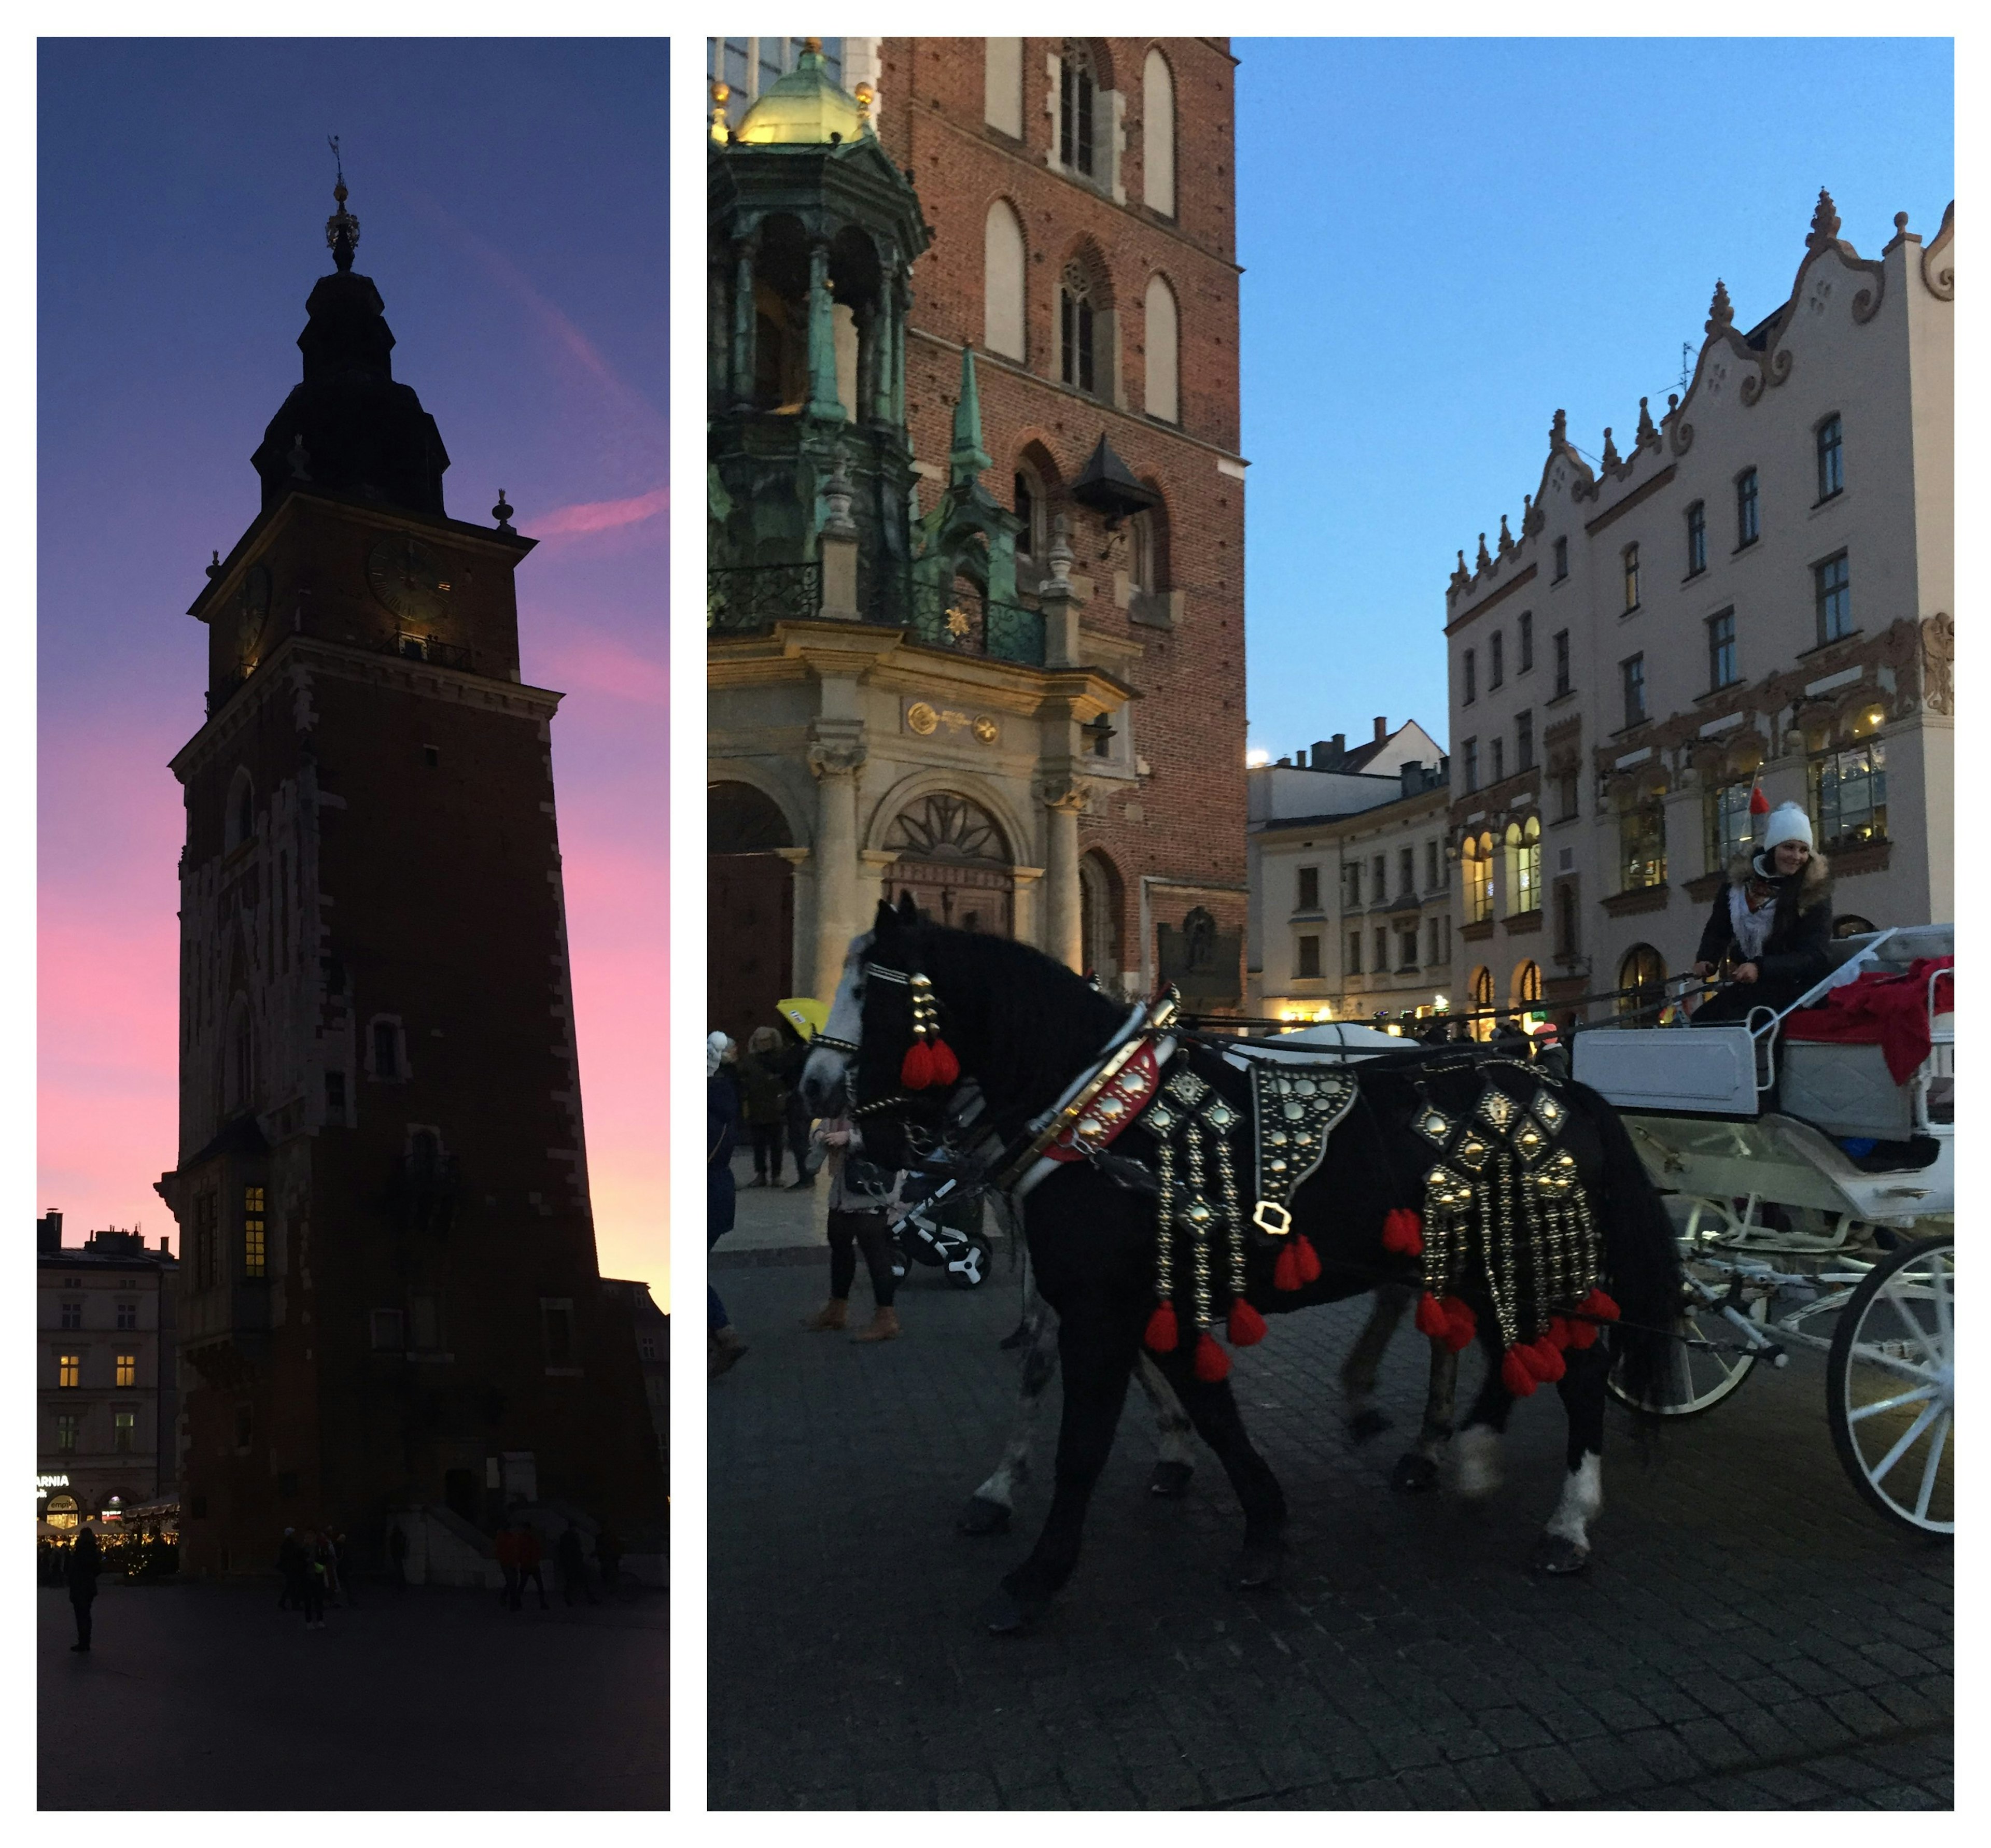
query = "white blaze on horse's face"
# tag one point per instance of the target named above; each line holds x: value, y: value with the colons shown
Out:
x: 826, y: 1066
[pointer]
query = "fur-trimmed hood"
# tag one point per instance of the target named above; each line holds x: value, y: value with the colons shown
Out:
x: 1814, y: 883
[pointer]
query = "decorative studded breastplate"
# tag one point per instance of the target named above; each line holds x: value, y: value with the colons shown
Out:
x: 1295, y: 1109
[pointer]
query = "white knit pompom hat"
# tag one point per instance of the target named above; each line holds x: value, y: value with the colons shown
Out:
x: 1788, y: 821
x: 716, y: 1044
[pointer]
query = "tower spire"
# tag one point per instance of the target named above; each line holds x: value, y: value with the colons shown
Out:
x: 967, y: 458
x: 341, y: 229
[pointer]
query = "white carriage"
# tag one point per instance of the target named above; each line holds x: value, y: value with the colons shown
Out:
x: 1794, y: 1234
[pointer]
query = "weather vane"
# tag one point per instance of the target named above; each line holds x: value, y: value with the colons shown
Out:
x: 341, y: 229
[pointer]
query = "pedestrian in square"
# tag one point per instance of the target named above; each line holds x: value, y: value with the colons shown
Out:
x: 763, y: 1102
x: 397, y: 1557
x: 506, y: 1547
x: 328, y: 1552
x: 722, y: 1345
x: 85, y: 1560
x: 314, y: 1577
x: 859, y: 1192
x: 291, y: 1568
x: 530, y: 1555
x: 573, y: 1563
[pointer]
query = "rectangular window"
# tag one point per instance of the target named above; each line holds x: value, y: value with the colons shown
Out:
x: 1849, y: 797
x: 1561, y: 559
x: 1306, y: 959
x: 1496, y: 669
x: 123, y: 1430
x: 1407, y: 871
x: 71, y: 1315
x: 646, y: 1346
x: 1309, y: 888
x: 1641, y: 841
x: 1431, y: 940
x: 1379, y: 882
x: 1730, y: 825
x: 1524, y: 741
x: 65, y: 1429
x: 1355, y: 953
x: 255, y: 1254
x: 1406, y: 950
x: 1527, y: 641
x: 1561, y: 662
x: 1696, y: 538
x: 1431, y: 866
x: 1721, y: 651
x: 1500, y: 746
x: 127, y: 1315
x: 1472, y: 756
x: 127, y: 1370
x: 1479, y: 865
x: 424, y: 1324
x: 1831, y: 477
x: 558, y: 1318
x: 69, y: 1370
x: 1832, y: 593
x: 387, y: 1333
x: 1472, y: 677
x: 387, y: 1050
x: 1381, y: 949
x: 1566, y: 797
x: 1351, y: 879
x: 1565, y: 910
x: 335, y: 1092
x: 1631, y: 578
x: 1747, y: 529
x: 1634, y: 672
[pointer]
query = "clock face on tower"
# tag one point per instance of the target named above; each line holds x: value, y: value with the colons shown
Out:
x: 407, y: 578
x: 252, y: 611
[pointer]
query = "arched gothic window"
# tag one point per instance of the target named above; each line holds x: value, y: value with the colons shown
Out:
x: 1163, y: 389
x: 1078, y: 94
x: 1642, y: 977
x: 1524, y: 866
x: 1003, y: 271
x: 1157, y: 134
x: 1076, y: 317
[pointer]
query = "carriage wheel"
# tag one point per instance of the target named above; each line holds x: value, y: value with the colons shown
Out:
x: 1699, y: 1380
x: 1891, y: 1386
x: 982, y: 1255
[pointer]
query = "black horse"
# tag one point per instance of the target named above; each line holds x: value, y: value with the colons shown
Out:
x: 1024, y: 1028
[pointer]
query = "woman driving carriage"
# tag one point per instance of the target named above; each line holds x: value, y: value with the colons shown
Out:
x: 1770, y: 925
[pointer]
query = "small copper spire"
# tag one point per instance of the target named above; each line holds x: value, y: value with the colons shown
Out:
x: 341, y: 229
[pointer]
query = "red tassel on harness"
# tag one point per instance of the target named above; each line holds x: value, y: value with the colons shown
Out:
x: 1286, y: 1271
x: 916, y: 1071
x: 1431, y: 1318
x: 1461, y: 1325
x: 1212, y: 1363
x: 1308, y: 1259
x: 1402, y: 1231
x: 946, y: 1067
x: 1559, y: 1331
x: 1549, y: 1364
x: 1515, y: 1376
x: 1582, y: 1334
x: 1599, y: 1305
x: 1247, y: 1326
x: 1161, y: 1335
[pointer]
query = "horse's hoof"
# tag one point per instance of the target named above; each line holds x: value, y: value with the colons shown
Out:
x: 1365, y: 1425
x: 1258, y: 1565
x: 1557, y: 1557
x: 1171, y: 1480
x: 982, y: 1515
x: 1414, y: 1474
x: 1006, y: 1614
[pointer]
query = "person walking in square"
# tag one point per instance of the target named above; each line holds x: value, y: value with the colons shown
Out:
x: 505, y: 1546
x: 290, y: 1567
x: 764, y: 1103
x: 722, y: 1345
x: 85, y: 1560
x: 859, y: 1192
x: 530, y: 1555
x: 316, y: 1575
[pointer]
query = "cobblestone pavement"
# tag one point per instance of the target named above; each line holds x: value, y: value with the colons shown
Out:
x: 1749, y: 1635
x: 206, y: 1696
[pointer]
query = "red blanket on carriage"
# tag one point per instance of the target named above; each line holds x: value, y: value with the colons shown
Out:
x: 1890, y: 1011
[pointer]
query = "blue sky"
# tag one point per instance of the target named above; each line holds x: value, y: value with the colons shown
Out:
x: 510, y: 196
x: 1445, y: 239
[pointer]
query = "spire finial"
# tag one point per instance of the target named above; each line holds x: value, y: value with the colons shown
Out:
x: 721, y: 95
x: 1824, y: 222
x: 967, y: 457
x: 502, y: 513
x: 1720, y: 311
x: 214, y: 569
x: 341, y: 229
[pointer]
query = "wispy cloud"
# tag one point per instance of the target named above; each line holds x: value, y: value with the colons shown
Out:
x: 599, y: 516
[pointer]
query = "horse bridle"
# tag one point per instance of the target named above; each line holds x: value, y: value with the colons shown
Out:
x: 878, y: 1106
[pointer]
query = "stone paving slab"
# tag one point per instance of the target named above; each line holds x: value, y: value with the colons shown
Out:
x: 206, y: 1696
x: 1749, y: 1635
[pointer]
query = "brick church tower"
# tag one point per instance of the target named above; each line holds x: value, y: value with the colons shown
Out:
x: 390, y: 1305
x: 1078, y: 242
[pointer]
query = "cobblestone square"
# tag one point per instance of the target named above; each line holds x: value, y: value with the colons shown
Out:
x: 1748, y: 1636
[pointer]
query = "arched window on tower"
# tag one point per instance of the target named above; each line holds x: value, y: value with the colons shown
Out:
x: 1003, y: 270
x: 1027, y: 505
x: 1076, y: 316
x: 1078, y: 94
x: 1157, y: 134
x: 1163, y: 391
x: 1002, y: 86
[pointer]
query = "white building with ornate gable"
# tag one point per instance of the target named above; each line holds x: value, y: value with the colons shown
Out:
x: 1760, y: 585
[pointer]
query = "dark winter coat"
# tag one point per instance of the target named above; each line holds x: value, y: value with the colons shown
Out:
x: 765, y: 1093
x: 1794, y: 955
x: 85, y: 1561
x: 722, y: 1120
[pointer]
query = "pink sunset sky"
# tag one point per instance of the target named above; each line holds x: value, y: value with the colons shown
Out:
x: 510, y: 196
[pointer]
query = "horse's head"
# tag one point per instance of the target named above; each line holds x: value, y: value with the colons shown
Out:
x: 859, y: 1062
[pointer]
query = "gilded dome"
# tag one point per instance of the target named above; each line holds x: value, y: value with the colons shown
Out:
x: 804, y: 106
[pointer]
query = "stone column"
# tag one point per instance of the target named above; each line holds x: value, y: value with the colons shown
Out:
x: 1063, y: 798
x: 835, y: 763
x: 1061, y: 600
x: 743, y: 323
x: 824, y: 401
x: 837, y: 547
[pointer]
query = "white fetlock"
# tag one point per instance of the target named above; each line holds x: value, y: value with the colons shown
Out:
x: 1582, y: 1499
x: 1476, y: 1461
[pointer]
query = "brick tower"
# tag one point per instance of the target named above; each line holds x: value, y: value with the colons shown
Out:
x: 390, y: 1305
x: 1078, y: 196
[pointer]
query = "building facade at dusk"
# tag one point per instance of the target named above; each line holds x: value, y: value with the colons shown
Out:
x: 389, y: 1298
x: 1759, y: 589
x: 107, y: 1424
x: 1023, y: 323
